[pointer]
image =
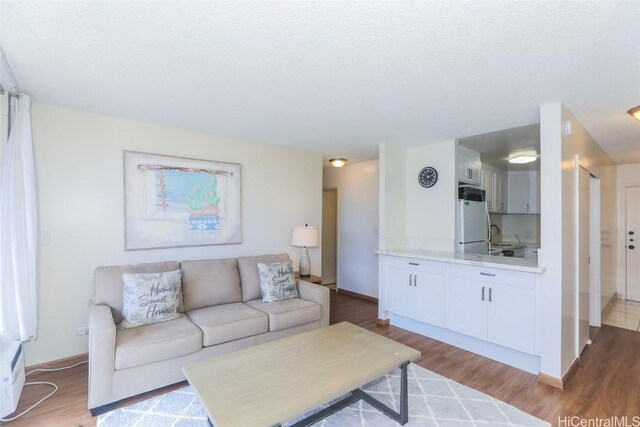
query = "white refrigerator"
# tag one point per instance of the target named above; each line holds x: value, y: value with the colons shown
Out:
x: 473, y: 225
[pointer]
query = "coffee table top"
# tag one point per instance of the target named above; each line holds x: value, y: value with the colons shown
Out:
x: 274, y: 382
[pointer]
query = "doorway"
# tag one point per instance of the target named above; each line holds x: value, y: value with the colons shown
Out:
x: 329, y: 236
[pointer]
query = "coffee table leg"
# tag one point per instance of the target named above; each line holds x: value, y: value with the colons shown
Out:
x: 401, y: 417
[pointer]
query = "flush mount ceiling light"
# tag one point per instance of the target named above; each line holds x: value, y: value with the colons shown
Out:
x: 338, y: 162
x: 635, y: 112
x: 522, y: 159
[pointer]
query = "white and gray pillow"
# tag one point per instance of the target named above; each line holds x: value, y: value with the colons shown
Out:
x: 277, y: 281
x: 150, y: 298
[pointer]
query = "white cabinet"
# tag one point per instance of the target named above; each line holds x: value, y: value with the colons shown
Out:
x: 487, y: 183
x: 468, y: 166
x: 494, y: 181
x: 501, y: 191
x: 523, y: 193
x: 492, y: 305
x: 417, y: 289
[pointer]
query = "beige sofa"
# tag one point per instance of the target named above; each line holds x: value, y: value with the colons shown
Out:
x: 223, y: 310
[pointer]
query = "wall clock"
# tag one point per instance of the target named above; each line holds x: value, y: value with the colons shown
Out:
x: 428, y: 177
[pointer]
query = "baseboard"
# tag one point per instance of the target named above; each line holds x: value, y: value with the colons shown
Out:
x: 357, y: 295
x: 61, y: 362
x: 559, y: 383
x: 382, y: 322
x: 550, y: 381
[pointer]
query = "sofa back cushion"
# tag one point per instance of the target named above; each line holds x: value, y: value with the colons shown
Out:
x: 210, y: 282
x: 108, y: 283
x: 248, y: 267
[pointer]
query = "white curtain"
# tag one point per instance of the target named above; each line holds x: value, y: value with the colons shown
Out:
x: 18, y: 230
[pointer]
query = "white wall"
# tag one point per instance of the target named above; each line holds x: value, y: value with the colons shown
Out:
x: 526, y: 227
x: 357, y: 185
x: 79, y: 166
x: 627, y: 175
x: 430, y: 212
x: 558, y: 231
x: 392, y: 194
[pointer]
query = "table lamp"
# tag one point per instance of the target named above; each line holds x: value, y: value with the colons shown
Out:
x: 305, y: 236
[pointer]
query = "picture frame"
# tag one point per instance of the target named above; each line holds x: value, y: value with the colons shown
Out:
x: 174, y: 202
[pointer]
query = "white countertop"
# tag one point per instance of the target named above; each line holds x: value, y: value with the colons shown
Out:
x: 505, y: 263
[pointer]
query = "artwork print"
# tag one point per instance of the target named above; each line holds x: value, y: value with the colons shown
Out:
x: 174, y: 201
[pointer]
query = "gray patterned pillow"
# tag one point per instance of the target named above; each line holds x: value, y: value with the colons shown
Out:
x: 150, y: 298
x: 277, y: 281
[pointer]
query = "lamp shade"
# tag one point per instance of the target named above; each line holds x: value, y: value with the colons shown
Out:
x: 305, y: 236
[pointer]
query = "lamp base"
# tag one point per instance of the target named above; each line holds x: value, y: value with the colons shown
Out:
x: 305, y: 263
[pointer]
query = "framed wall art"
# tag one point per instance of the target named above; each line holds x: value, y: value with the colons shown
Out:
x: 175, y: 202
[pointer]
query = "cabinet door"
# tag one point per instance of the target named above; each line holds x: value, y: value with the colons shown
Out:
x: 401, y: 293
x: 490, y: 182
x: 511, y: 320
x: 431, y: 293
x: 466, y: 309
x: 519, y: 193
x: 473, y: 171
x: 504, y: 193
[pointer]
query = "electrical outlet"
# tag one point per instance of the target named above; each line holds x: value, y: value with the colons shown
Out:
x: 82, y: 331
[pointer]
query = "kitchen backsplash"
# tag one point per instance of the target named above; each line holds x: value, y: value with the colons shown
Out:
x: 525, y: 227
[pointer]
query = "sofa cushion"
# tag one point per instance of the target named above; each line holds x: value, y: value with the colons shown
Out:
x: 210, y: 282
x: 228, y: 322
x: 155, y: 342
x: 248, y: 268
x: 108, y: 284
x: 289, y: 312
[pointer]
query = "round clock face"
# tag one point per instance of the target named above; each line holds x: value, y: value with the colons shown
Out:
x: 428, y: 177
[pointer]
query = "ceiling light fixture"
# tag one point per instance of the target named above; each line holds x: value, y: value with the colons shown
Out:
x: 338, y: 162
x: 635, y: 112
x: 521, y: 159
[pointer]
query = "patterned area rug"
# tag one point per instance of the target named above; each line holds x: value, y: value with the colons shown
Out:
x: 433, y: 401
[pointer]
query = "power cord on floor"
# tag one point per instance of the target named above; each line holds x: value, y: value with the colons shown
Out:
x: 55, y: 387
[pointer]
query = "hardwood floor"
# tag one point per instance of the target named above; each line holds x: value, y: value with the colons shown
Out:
x: 606, y: 384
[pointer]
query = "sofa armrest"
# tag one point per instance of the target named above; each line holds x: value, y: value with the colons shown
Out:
x: 102, y: 349
x: 316, y: 293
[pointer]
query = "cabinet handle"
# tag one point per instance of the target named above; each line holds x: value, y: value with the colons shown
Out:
x: 482, y: 273
x: 483, y: 293
x: 413, y: 263
x: 527, y: 207
x: 415, y: 280
x: 469, y: 173
x: 410, y: 277
x: 490, y: 289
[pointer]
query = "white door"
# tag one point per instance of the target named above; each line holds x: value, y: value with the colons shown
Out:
x: 329, y: 235
x: 511, y: 316
x: 632, y: 234
x: 584, y: 253
x: 467, y: 307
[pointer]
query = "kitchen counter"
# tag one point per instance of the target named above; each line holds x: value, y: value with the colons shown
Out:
x: 505, y: 263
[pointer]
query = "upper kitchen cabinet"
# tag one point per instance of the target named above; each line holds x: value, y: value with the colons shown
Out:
x: 495, y: 183
x: 524, y: 192
x: 468, y: 166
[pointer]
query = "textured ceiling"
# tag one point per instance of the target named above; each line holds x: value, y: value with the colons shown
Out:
x: 336, y: 78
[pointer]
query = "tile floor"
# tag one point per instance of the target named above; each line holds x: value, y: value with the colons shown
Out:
x: 624, y: 314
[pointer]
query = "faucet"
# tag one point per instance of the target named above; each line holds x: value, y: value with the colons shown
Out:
x: 498, y: 231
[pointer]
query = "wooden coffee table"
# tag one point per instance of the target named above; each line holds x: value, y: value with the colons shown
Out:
x: 272, y: 383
